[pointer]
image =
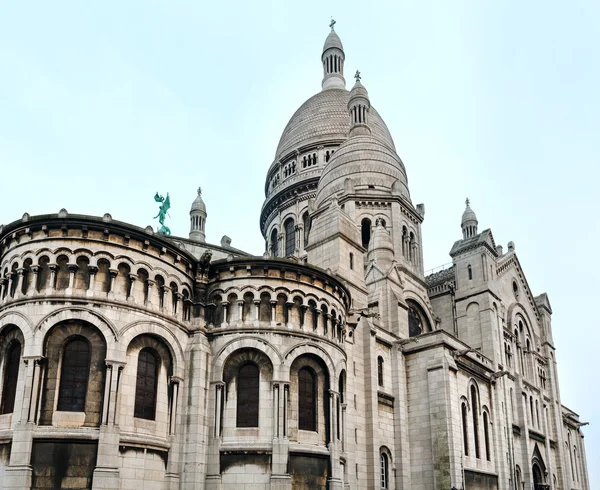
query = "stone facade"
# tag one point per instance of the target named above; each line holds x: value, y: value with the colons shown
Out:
x: 135, y: 360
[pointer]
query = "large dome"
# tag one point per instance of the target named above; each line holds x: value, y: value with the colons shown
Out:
x: 324, y: 117
x: 373, y: 168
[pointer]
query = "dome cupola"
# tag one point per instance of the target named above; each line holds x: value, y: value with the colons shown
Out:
x: 198, y: 218
x: 358, y: 108
x: 469, y: 221
x: 333, y: 61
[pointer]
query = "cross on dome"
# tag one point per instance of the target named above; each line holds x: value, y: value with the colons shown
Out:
x: 332, y: 23
x: 467, y: 202
x: 357, y: 76
x: 199, y: 190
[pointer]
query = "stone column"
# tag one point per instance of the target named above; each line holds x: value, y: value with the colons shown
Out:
x: 2, y: 287
x: 106, y: 473
x: 175, y: 382
x: 52, y: 280
x: 225, y: 305
x: 9, y: 285
x: 112, y: 273
x: 172, y: 476
x: 273, y: 312
x: 256, y: 312
x: 303, y: 310
x: 132, y: 288
x: 20, y: 275
x: 240, y: 304
x: 335, y: 479
x: 167, y: 300
x: 178, y: 313
x: 280, y: 479
x: 316, y: 313
x: 148, y: 299
x: 32, y: 290
x: 93, y: 269
x: 287, y: 308
x: 72, y: 270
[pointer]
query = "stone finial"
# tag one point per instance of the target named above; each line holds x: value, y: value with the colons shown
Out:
x: 25, y: 217
x: 225, y: 242
x: 107, y: 218
x: 63, y: 213
x: 357, y: 76
x: 511, y: 246
x: 149, y: 230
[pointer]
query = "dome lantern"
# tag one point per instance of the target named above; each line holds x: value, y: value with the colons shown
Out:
x: 468, y: 222
x: 198, y: 218
x: 358, y: 108
x: 333, y: 61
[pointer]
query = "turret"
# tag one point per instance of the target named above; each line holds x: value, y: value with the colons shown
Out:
x: 333, y: 61
x: 468, y: 222
x: 358, y: 108
x: 198, y: 219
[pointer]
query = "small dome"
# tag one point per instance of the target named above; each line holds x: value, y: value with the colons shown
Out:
x: 198, y: 204
x: 468, y: 216
x: 333, y: 41
x: 373, y: 167
x: 358, y: 90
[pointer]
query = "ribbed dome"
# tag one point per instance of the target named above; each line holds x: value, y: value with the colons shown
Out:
x: 324, y: 117
x: 468, y: 216
x: 373, y: 167
x: 198, y: 204
x: 333, y: 41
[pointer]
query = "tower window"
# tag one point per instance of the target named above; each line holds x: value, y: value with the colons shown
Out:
x: 11, y: 373
x: 474, y: 406
x: 365, y: 226
x: 380, y: 371
x: 385, y: 471
x: 74, y: 375
x: 274, y: 243
x: 464, y: 428
x: 351, y: 261
x: 307, y: 400
x: 470, y: 271
x: 146, y: 384
x: 290, y: 237
x: 248, y: 395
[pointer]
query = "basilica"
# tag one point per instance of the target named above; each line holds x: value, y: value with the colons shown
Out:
x: 133, y: 359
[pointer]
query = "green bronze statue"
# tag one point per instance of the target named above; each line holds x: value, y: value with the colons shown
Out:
x: 162, y: 213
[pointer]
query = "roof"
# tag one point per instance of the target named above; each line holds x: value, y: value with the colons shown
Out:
x: 324, y: 117
x: 484, y: 238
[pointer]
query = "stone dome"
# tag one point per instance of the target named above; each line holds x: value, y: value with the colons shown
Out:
x: 198, y: 204
x: 323, y: 118
x: 333, y: 41
x: 468, y: 216
x: 373, y: 167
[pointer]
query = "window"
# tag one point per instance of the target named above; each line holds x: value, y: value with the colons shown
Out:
x: 385, y: 471
x: 290, y: 237
x: 306, y: 226
x: 380, y: 371
x: 464, y: 428
x: 470, y: 270
x: 351, y: 261
x: 146, y: 384
x: 307, y: 400
x: 487, y: 436
x: 11, y: 373
x: 74, y: 375
x: 474, y: 406
x: 248, y: 388
x: 418, y: 322
x: 365, y: 226
x: 274, y: 244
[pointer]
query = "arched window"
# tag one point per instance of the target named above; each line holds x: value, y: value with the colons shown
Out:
x: 470, y: 270
x: 365, y: 226
x: 464, y: 428
x: 486, y: 435
x: 290, y: 237
x: 248, y: 395
x: 307, y: 400
x: 537, y: 476
x: 474, y: 407
x: 380, y: 371
x: 274, y: 243
x: 146, y: 384
x: 306, y: 227
x: 418, y: 322
x: 74, y: 375
x: 385, y: 471
x: 11, y: 374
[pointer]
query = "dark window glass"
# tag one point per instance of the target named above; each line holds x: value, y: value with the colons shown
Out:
x: 146, y: 384
x: 306, y: 223
x: 11, y: 374
x: 470, y: 272
x: 414, y: 323
x: 307, y: 400
x: 290, y: 237
x: 475, y: 420
x: 365, y: 227
x: 380, y: 371
x: 385, y: 482
x: 464, y: 428
x: 247, y: 396
x: 274, y: 244
x: 487, y: 436
x: 74, y: 376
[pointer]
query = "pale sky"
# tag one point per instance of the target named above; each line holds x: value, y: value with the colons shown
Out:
x: 104, y: 104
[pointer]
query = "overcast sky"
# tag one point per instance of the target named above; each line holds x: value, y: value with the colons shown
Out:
x: 103, y: 105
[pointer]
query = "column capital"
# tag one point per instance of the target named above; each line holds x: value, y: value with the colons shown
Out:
x: 72, y: 267
x: 111, y: 363
x: 93, y: 269
x: 133, y: 277
x: 113, y: 272
x: 175, y: 380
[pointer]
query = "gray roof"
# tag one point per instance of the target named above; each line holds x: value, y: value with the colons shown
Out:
x: 324, y: 117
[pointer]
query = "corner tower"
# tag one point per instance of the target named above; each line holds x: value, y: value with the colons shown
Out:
x: 333, y: 58
x: 198, y: 218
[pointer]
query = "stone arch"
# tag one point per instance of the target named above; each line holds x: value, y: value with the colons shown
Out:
x: 133, y: 330
x: 247, y: 342
x: 22, y: 323
x: 309, y: 348
x: 105, y: 326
